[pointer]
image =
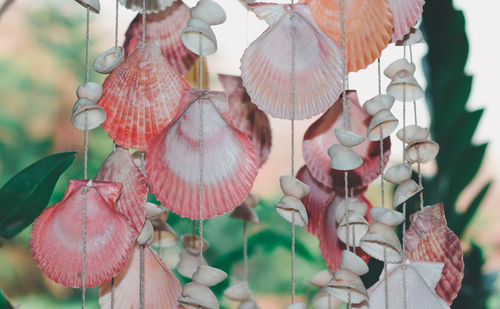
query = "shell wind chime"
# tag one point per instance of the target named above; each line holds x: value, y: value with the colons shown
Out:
x: 198, y: 151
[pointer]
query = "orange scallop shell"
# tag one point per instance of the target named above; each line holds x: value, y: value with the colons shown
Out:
x: 368, y: 28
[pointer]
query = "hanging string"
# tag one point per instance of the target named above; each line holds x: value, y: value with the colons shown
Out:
x: 144, y: 21
x: 346, y: 210
x: 202, y: 187
x: 116, y: 23
x: 404, y: 204
x: 141, y: 277
x: 245, y: 251
x: 112, y: 293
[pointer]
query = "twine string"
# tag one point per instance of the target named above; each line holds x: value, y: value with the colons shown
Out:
x: 84, y: 243
x: 245, y: 251
x: 293, y: 257
x: 346, y: 209
x: 141, y: 278
x: 116, y: 23
x: 404, y: 204
x: 202, y: 187
x: 386, y: 281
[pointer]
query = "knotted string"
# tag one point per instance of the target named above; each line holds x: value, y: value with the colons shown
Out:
x: 141, y: 277
x: 245, y: 251
x: 202, y: 187
x: 404, y: 204
x: 116, y: 23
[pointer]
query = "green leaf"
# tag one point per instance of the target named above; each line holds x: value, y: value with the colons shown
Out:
x: 459, y: 225
x: 4, y: 302
x: 27, y: 194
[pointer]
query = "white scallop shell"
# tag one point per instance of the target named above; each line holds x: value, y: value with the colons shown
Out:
x: 381, y: 125
x: 353, y: 263
x: 378, y: 103
x: 398, y: 173
x: 348, y: 138
x: 404, y: 87
x: 387, y: 216
x: 291, y: 209
x: 209, y: 11
x: 398, y: 65
x: 343, y: 158
x: 208, y: 275
x: 106, y: 62
x: 378, y: 237
x: 91, y: 91
x: 199, y: 38
x: 87, y: 115
x: 421, y: 151
x: 404, y: 191
x: 412, y: 133
x: 294, y: 187
x: 345, y: 282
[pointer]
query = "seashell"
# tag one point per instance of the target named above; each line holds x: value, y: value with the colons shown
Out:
x: 152, y: 6
x: 345, y: 281
x: 404, y: 87
x: 429, y: 239
x: 378, y: 237
x: 165, y: 27
x: 141, y: 96
x: 378, y: 103
x: 238, y: 292
x: 368, y: 28
x: 353, y: 263
x: 249, y: 304
x: 406, y: 14
x: 412, y: 133
x: 188, y: 263
x: 161, y: 288
x: 106, y: 62
x: 411, y: 38
x: 164, y: 235
x: 357, y: 226
x: 294, y: 187
x: 56, y: 236
x: 195, y: 295
x: 191, y: 243
x: 296, y: 306
x: 421, y: 278
x: 146, y: 235
x: 91, y: 91
x: 323, y: 300
x: 343, y: 158
x: 208, y: 275
x: 230, y: 163
x: 398, y: 173
x: 251, y: 201
x: 398, y: 65
x: 421, y: 151
x: 266, y: 64
x: 119, y: 167
x: 199, y: 38
x: 387, y: 216
x: 320, y: 136
x: 348, y: 138
x: 87, y: 115
x: 247, y: 117
x: 245, y: 213
x: 93, y: 5
x: 153, y: 210
x: 355, y: 206
x: 321, y: 278
x: 209, y: 11
x: 291, y: 209
x: 404, y: 191
x: 381, y: 125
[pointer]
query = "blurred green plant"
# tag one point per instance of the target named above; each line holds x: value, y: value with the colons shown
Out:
x: 4, y: 302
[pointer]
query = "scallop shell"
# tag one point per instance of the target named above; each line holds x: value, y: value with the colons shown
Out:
x: 368, y: 28
x: 398, y: 65
x: 381, y: 125
x: 106, y: 62
x: 188, y: 263
x: 141, y: 96
x: 93, y: 5
x: 90, y: 90
x: 56, y: 237
x: 343, y: 158
x: 378, y: 103
x: 387, y: 216
x: 398, y: 173
x: 405, y: 191
x: 87, y: 115
x: 266, y: 64
x: 165, y: 27
x: 346, y: 284
x: 412, y: 133
x: 238, y: 292
x: 230, y: 163
x: 195, y: 295
x: 153, y: 210
x: 357, y: 226
x: 164, y: 236
x: 152, y: 6
x: 415, y: 36
x: 406, y: 14
x: 421, y: 151
x: 209, y: 11
x: 348, y: 138
x: 249, y: 304
x: 247, y: 117
x: 321, y: 278
x: 119, y: 167
x: 378, y: 237
x: 199, y: 38
x: 353, y: 263
x: 294, y: 187
x: 404, y: 87
x: 208, y: 275
x: 320, y: 136
x: 429, y: 239
x: 146, y: 234
x: 292, y: 210
x: 354, y: 205
x: 191, y: 243
x: 323, y: 300
x: 245, y: 213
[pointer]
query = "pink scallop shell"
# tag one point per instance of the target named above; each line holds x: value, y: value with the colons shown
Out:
x: 266, y: 64
x: 120, y: 168
x: 230, y: 161
x: 320, y: 136
x: 161, y: 287
x: 141, y: 96
x: 165, y: 27
x: 430, y: 239
x: 247, y: 117
x: 56, y: 237
x: 406, y: 14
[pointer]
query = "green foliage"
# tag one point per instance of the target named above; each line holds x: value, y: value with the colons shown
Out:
x: 27, y: 194
x: 4, y: 302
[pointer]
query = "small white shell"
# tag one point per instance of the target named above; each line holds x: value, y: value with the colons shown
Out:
x: 378, y: 103
x: 381, y: 125
x: 294, y: 187
x: 245, y: 213
x: 208, y: 275
x: 93, y: 5
x: 91, y: 91
x: 238, y: 292
x: 87, y: 114
x: 343, y: 158
x: 357, y: 225
x: 355, y: 206
x: 321, y: 278
x: 421, y: 151
x: 153, y: 210
x: 251, y: 201
x: 404, y: 87
x: 191, y: 243
x: 413, y: 37
x: 164, y: 235
x: 323, y: 300
x: 146, y: 235
x: 412, y: 133
x: 344, y: 281
x: 398, y: 65
x: 404, y: 191
x: 106, y: 62
x: 296, y: 306
x: 378, y: 237
x: 348, y: 138
x: 209, y: 11
x: 249, y: 304
x: 199, y: 34
x: 387, y: 216
x: 188, y: 263
x: 353, y: 263
x: 398, y: 173
x: 198, y: 296
x: 289, y: 206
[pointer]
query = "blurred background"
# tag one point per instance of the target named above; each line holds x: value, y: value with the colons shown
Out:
x: 42, y: 64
